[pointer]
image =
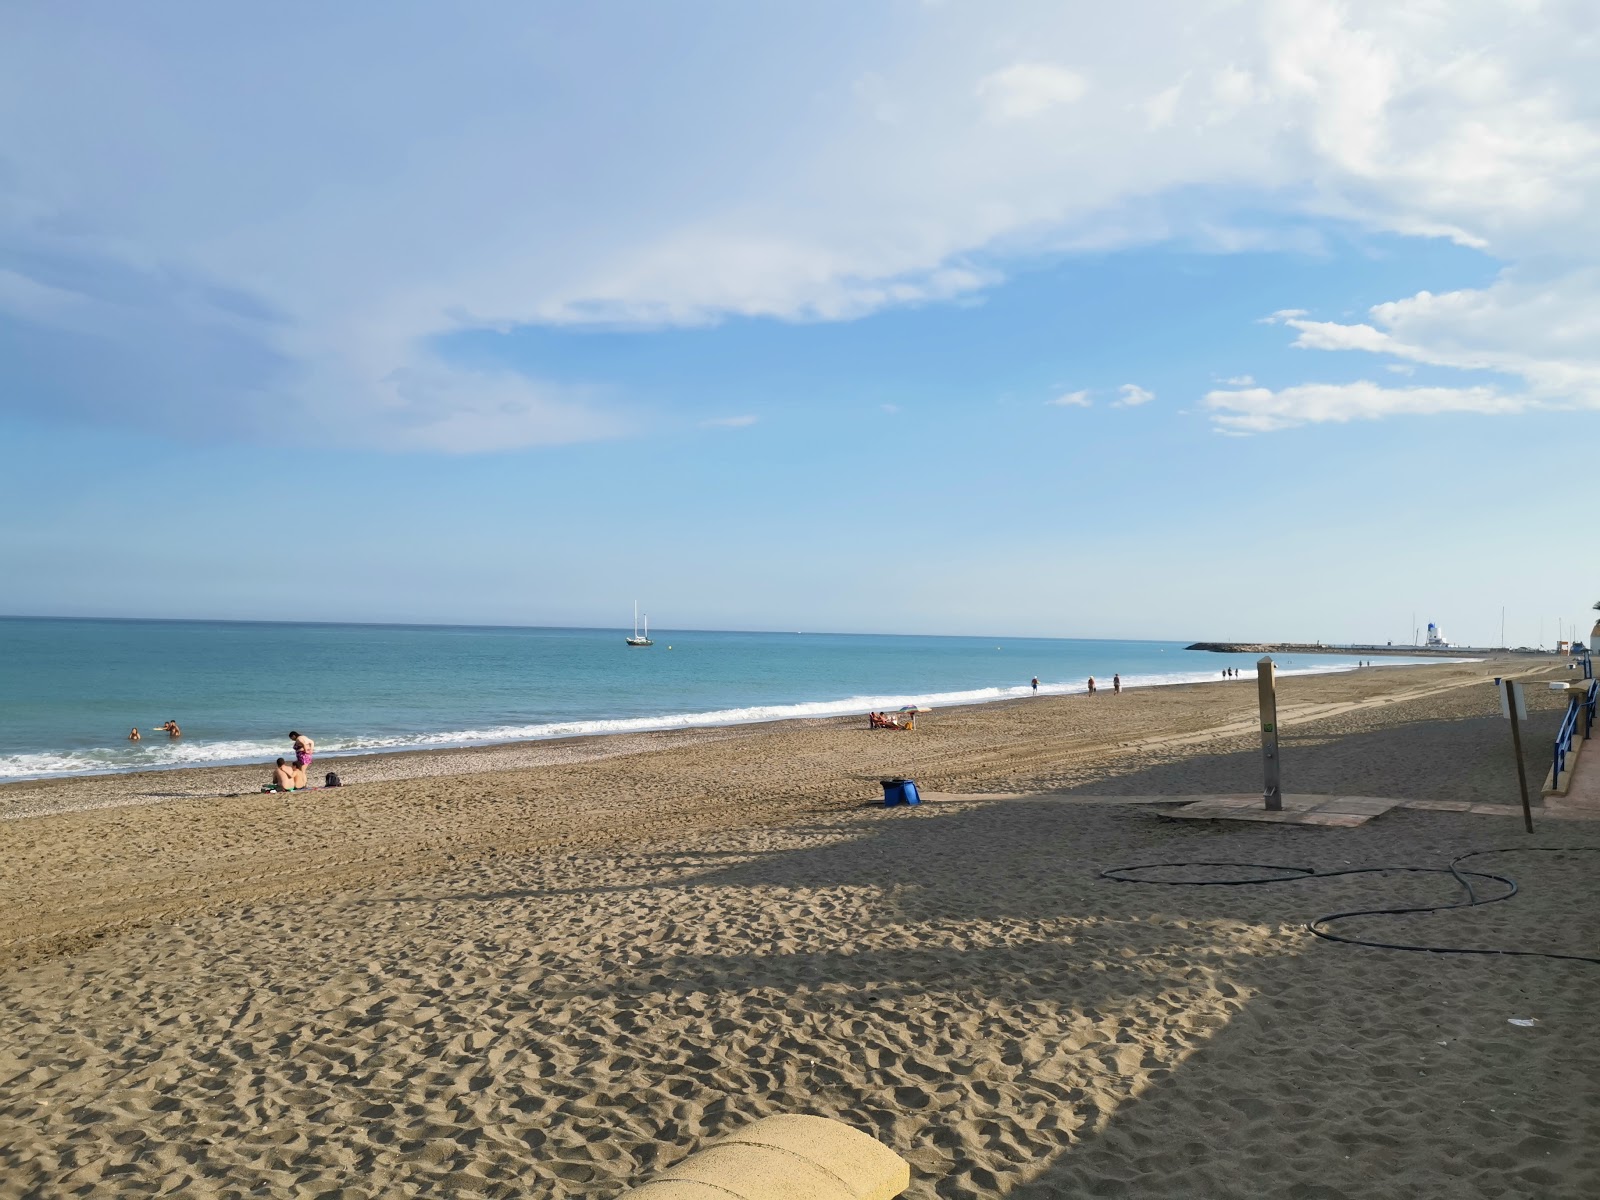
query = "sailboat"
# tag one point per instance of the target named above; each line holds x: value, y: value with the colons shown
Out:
x: 637, y: 639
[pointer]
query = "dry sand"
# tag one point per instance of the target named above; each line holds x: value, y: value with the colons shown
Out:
x: 546, y: 980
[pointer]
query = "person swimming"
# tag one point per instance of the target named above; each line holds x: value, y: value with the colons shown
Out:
x: 133, y: 734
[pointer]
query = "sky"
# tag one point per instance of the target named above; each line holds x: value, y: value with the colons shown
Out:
x: 1210, y: 319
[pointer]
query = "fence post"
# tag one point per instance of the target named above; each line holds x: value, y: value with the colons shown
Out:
x: 1266, y: 686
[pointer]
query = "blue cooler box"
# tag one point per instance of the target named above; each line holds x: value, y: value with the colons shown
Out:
x: 899, y: 791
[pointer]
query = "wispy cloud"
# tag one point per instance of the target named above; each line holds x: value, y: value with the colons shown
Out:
x: 1078, y: 399
x: 739, y: 422
x: 1262, y: 410
x: 1131, y: 395
x: 1028, y: 89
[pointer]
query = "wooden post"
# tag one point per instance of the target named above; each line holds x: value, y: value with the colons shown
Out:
x: 1516, y: 746
x: 1266, y: 684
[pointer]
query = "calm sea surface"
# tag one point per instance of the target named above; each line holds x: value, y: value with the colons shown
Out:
x: 70, y: 690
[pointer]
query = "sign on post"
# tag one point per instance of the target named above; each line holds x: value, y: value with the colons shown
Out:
x: 1514, y: 690
x: 1266, y: 685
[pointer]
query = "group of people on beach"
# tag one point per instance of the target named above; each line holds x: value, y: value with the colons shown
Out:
x: 291, y: 776
x: 171, y: 727
x: 1116, y: 685
x: 879, y: 720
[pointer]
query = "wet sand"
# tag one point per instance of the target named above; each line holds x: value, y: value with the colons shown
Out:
x: 484, y: 974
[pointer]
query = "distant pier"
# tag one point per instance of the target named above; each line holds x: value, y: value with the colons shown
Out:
x: 1323, y: 648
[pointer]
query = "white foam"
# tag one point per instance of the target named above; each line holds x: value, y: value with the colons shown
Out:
x: 163, y: 755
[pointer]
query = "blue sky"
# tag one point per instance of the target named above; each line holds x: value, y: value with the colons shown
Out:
x: 1265, y: 319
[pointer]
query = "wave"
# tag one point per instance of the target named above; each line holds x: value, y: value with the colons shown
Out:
x: 159, y: 756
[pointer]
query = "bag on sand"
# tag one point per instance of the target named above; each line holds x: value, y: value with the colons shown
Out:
x: 331, y: 781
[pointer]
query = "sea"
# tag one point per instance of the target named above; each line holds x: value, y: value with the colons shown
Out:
x: 70, y: 690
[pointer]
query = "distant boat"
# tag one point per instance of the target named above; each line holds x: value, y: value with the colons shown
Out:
x: 637, y: 639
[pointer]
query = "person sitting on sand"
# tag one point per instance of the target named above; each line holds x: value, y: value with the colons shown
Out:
x: 133, y: 734
x: 283, y: 777
x: 303, y: 746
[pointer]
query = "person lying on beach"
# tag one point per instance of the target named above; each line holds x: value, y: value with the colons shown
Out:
x: 133, y: 734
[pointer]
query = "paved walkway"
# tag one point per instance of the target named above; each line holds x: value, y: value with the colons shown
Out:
x: 1582, y: 800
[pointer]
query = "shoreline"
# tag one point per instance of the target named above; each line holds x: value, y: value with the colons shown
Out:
x: 845, y: 708
x: 28, y: 798
x: 23, y: 798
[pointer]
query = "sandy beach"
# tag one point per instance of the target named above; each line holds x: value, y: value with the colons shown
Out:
x: 547, y: 969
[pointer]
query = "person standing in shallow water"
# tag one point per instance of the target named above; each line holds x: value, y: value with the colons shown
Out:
x: 133, y: 734
x: 1035, y: 685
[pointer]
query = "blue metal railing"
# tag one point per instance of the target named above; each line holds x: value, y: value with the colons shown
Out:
x: 1569, y: 724
x: 1582, y: 703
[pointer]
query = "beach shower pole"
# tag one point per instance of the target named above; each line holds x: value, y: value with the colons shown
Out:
x: 1266, y: 684
x: 1511, y: 699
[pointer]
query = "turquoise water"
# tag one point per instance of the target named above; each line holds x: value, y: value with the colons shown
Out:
x: 70, y: 689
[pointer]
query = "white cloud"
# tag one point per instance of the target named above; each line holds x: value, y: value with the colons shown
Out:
x: 739, y: 422
x: 1162, y: 108
x: 434, y: 407
x: 1537, y: 335
x: 1240, y: 381
x: 1025, y: 90
x: 244, y: 257
x: 1071, y: 400
x: 1262, y: 410
x: 1131, y: 395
